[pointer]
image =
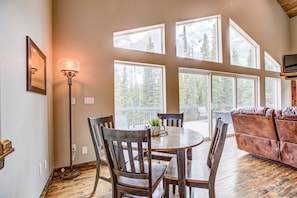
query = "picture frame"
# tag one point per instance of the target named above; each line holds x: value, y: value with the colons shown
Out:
x: 36, y: 68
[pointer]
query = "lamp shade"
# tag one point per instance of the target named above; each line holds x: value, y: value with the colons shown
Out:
x: 67, y: 64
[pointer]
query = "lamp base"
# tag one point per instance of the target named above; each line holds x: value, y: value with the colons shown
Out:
x: 70, y: 173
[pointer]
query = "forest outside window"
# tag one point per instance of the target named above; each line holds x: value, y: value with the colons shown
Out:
x: 272, y: 92
x: 270, y: 63
x: 146, y: 39
x: 200, y: 39
x: 139, y: 93
x: 244, y: 51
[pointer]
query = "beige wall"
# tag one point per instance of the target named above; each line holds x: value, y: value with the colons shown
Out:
x: 26, y: 117
x: 84, y: 30
x: 293, y: 37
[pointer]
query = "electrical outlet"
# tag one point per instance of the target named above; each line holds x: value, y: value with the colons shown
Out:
x: 84, y: 150
x: 40, y: 168
x: 73, y: 147
x: 45, y: 164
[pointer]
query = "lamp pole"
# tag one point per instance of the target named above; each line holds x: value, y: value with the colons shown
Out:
x: 70, y: 68
x: 69, y: 77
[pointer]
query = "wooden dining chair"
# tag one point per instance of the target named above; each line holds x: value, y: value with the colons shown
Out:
x: 139, y: 176
x: 171, y: 119
x: 200, y: 173
x: 175, y: 120
x: 94, y: 125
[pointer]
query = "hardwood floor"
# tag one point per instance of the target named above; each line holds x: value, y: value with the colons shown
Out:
x: 240, y: 175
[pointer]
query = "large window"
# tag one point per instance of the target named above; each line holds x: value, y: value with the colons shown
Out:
x: 199, y: 39
x: 243, y: 50
x: 270, y: 63
x: 139, y: 93
x: 147, y: 39
x: 272, y: 92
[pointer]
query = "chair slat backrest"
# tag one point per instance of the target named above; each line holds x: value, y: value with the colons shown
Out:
x: 94, y: 125
x: 216, y: 147
x: 172, y: 119
x: 116, y: 142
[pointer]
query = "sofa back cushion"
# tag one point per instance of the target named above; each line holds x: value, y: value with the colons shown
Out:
x: 255, y: 121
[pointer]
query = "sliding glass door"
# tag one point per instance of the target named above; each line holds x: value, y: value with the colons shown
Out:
x: 223, y: 99
x: 205, y: 96
x: 194, y: 100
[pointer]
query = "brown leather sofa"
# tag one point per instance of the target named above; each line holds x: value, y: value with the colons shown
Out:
x: 267, y: 133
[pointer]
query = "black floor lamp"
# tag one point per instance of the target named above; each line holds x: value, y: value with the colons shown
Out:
x: 69, y: 68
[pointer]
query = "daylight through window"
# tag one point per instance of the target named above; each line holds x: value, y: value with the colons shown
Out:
x: 272, y: 92
x: 199, y: 39
x: 243, y: 50
x: 138, y: 90
x: 271, y: 64
x: 147, y: 39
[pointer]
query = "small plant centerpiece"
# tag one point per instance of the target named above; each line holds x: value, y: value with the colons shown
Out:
x: 155, y: 126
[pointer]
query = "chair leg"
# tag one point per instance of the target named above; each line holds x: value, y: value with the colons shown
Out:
x: 119, y: 195
x: 211, y: 192
x: 189, y: 154
x: 190, y: 190
x: 115, y: 192
x: 97, y: 176
x: 166, y: 188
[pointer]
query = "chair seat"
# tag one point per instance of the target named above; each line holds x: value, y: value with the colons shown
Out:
x: 157, y: 174
x: 197, y: 171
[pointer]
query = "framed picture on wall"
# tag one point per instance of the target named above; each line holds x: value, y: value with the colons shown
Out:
x: 36, y: 68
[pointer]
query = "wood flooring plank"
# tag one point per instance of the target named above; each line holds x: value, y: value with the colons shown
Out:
x: 240, y: 175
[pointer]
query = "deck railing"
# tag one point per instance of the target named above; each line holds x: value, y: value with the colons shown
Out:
x: 132, y: 117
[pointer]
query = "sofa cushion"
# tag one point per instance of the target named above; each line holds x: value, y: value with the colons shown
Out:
x: 288, y: 153
x: 262, y: 147
x: 289, y: 113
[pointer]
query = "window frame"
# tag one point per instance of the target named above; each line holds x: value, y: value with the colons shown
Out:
x: 246, y: 37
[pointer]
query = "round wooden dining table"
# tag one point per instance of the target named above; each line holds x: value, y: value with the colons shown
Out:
x: 179, y: 140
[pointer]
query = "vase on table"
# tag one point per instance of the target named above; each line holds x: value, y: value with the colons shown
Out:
x: 155, y: 130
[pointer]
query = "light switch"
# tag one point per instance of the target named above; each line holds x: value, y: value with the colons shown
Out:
x: 84, y: 150
x: 89, y: 100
